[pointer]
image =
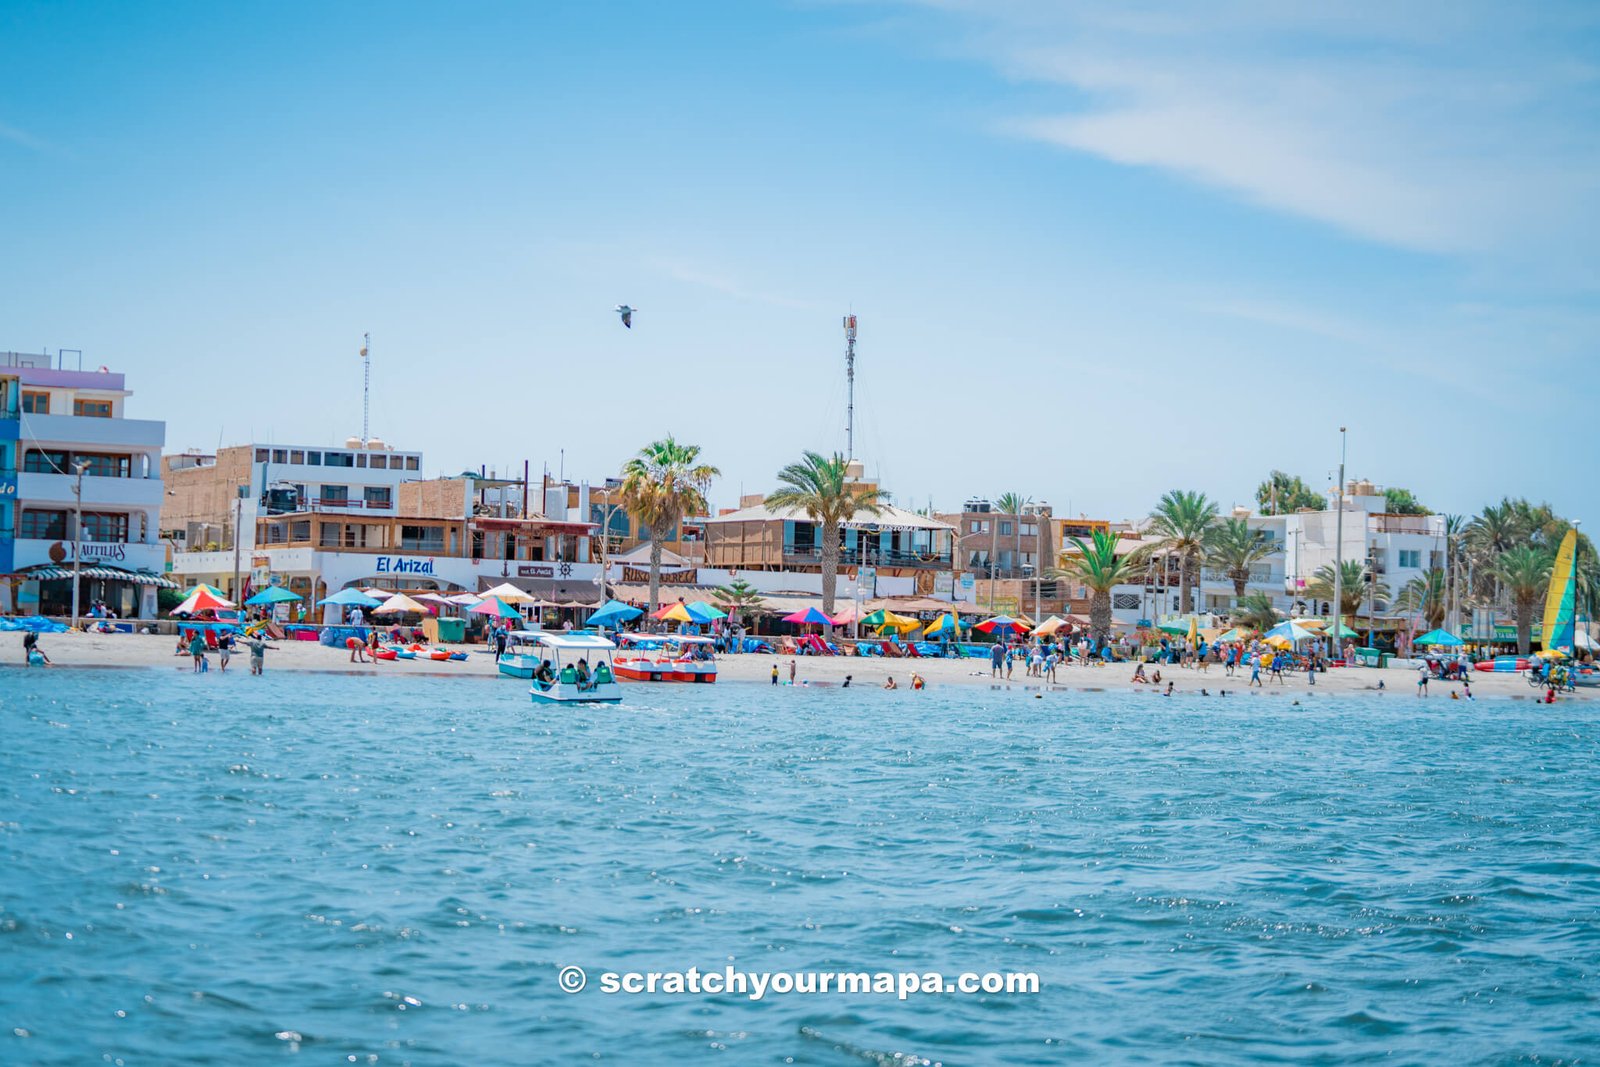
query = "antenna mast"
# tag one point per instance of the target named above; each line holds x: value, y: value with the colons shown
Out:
x: 366, y: 386
x: 850, y: 386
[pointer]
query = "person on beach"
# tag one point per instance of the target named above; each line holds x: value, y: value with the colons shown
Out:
x: 31, y: 649
x: 1138, y: 674
x: 1169, y: 689
x: 197, y: 649
x: 257, y: 644
x: 501, y: 636
x: 1422, y: 679
x: 997, y: 657
x: 224, y: 649
x: 774, y: 674
x: 791, y: 672
x: 847, y: 681
x: 890, y: 684
x: 358, y: 649
x: 1255, y: 671
x: 917, y: 681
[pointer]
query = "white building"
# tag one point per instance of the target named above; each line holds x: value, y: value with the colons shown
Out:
x: 73, y: 438
x: 1397, y: 548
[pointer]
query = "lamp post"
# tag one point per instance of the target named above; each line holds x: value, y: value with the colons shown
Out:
x: 77, y: 534
x: 238, y: 519
x: 1338, y: 544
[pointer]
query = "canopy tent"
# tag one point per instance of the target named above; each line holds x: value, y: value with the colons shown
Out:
x: 1000, y: 624
x: 509, y: 593
x: 493, y: 605
x: 202, y: 599
x: 351, y: 598
x: 808, y: 616
x: 613, y: 612
x: 400, y: 604
x: 1438, y: 638
x: 273, y: 594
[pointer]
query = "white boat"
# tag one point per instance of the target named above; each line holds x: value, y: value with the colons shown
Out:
x: 667, y: 658
x: 561, y: 654
x: 521, y: 657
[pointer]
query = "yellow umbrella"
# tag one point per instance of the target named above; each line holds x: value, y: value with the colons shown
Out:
x: 900, y: 623
x: 676, y: 613
x: 1283, y: 644
x: 943, y: 623
x: 398, y: 604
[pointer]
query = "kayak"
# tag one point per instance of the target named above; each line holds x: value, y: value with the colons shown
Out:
x: 1503, y: 664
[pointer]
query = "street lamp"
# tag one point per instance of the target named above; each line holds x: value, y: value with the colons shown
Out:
x: 1338, y: 544
x: 77, y: 534
x: 238, y: 517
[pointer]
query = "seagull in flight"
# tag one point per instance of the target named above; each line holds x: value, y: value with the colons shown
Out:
x: 627, y: 314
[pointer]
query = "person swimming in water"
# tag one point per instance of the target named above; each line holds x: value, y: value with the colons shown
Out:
x: 890, y: 684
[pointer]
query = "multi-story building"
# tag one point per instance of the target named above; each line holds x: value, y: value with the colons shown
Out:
x: 1395, y: 549
x: 994, y: 544
x: 87, y: 491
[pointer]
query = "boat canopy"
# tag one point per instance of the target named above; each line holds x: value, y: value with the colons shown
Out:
x: 565, y: 640
x: 679, y: 639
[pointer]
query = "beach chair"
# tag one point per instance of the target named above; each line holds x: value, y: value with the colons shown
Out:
x: 211, y: 639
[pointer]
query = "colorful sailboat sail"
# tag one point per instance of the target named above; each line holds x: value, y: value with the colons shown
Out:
x: 1560, y: 602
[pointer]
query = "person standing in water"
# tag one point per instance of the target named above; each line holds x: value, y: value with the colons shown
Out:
x: 774, y: 674
x: 197, y: 649
x: 258, y: 653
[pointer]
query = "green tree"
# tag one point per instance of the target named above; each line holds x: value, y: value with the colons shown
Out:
x: 1182, y: 524
x: 1403, y: 502
x: 1357, y: 584
x: 1098, y: 566
x: 1284, y: 494
x: 1234, y: 548
x: 1013, y: 504
x: 738, y: 598
x: 1524, y: 573
x: 661, y: 486
x: 1425, y: 595
x: 819, y: 486
x: 1254, y: 612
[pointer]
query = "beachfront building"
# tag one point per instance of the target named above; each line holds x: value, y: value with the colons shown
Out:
x: 995, y: 544
x: 82, y: 486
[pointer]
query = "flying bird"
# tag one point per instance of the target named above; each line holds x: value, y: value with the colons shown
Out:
x: 627, y: 314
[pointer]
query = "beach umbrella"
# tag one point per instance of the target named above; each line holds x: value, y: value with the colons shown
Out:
x: 944, y: 624
x: 351, y: 598
x: 1049, y: 626
x: 874, y: 619
x: 495, y: 606
x: 213, y: 590
x: 675, y: 613
x: 844, y: 613
x: 437, y: 598
x: 272, y: 594
x: 1234, y: 634
x: 1278, y: 641
x: 902, y: 623
x: 612, y: 612
x: 1291, y: 631
x: 465, y: 600
x: 509, y: 593
x: 399, y: 604
x: 1176, y: 628
x: 1000, y: 624
x: 378, y: 594
x: 1438, y: 637
x: 202, y: 599
x: 810, y: 615
x: 704, y: 612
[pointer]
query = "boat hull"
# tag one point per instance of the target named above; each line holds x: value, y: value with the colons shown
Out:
x: 649, y: 670
x: 514, y: 667
x: 567, y: 693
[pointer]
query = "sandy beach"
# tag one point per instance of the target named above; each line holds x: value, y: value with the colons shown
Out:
x: 134, y: 651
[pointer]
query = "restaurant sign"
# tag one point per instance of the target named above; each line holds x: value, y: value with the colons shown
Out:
x: 403, y: 565
x: 88, y: 551
x: 636, y: 574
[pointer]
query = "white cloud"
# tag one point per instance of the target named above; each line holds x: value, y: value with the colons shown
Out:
x: 1438, y: 128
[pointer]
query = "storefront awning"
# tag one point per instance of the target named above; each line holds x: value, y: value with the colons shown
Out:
x: 115, y: 574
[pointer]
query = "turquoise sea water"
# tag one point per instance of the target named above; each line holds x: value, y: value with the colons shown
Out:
x: 332, y: 870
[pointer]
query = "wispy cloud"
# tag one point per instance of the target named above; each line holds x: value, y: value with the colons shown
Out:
x: 20, y: 137
x: 1437, y: 127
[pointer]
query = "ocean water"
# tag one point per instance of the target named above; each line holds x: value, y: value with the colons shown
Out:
x: 321, y: 869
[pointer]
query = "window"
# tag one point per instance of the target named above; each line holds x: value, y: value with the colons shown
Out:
x: 980, y: 526
x: 1030, y: 529
x: 37, y: 461
x: 328, y: 534
x: 35, y: 403
x: 1005, y: 528
x: 413, y: 462
x: 361, y: 459
x: 377, y: 496
x: 103, y: 526
x: 1410, y: 557
x: 297, y: 455
x: 261, y: 455
x: 378, y: 462
x: 92, y: 409
x: 99, y: 466
x: 272, y: 533
x: 313, y: 459
x: 300, y: 530
x: 338, y: 459
x: 43, y: 525
x: 422, y: 538
x: 335, y: 495
x: 280, y: 455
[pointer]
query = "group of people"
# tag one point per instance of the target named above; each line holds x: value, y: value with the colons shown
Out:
x: 194, y: 644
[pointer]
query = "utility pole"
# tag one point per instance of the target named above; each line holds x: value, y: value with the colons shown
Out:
x: 366, y: 389
x: 77, y: 535
x: 238, y: 518
x: 1338, y: 545
x: 850, y: 387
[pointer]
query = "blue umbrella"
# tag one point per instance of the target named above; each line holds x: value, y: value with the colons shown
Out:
x: 275, y: 594
x: 1438, y: 637
x: 612, y: 612
x: 704, y: 612
x: 351, y: 597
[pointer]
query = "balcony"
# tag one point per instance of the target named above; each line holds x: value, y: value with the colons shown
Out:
x: 1403, y: 524
x: 77, y: 430
x: 812, y: 555
x: 98, y: 492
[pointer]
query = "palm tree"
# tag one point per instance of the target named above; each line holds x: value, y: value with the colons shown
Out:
x: 1235, y: 548
x: 1254, y: 612
x: 819, y: 486
x: 1455, y: 535
x: 1524, y: 573
x: 1182, y: 523
x: 1425, y: 595
x: 662, y: 485
x: 1356, y: 583
x: 737, y: 598
x: 1012, y: 504
x: 1098, y: 566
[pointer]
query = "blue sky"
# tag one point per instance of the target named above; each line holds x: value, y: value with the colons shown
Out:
x: 1098, y: 251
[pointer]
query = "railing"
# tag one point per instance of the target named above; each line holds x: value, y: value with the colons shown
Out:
x: 871, y: 558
